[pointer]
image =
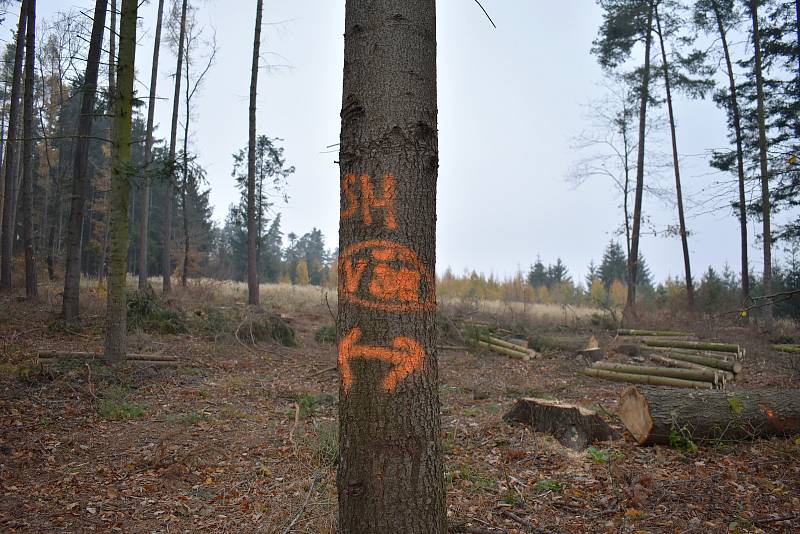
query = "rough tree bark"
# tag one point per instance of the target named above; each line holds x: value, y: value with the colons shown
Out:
x: 736, y: 116
x: 12, y: 148
x: 764, y: 166
x: 687, y: 264
x: 633, y: 257
x: 166, y: 257
x: 148, y: 153
x: 112, y: 90
x: 116, y: 309
x: 390, y: 476
x: 31, y: 289
x: 660, y: 415
x: 252, y: 228
x: 70, y: 306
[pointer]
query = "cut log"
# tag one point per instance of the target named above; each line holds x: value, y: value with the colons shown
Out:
x: 696, y: 345
x: 647, y: 379
x: 504, y: 344
x: 653, y: 333
x: 787, y: 348
x: 592, y: 355
x: 573, y: 426
x: 663, y: 416
x: 708, y: 361
x: 511, y: 353
x: 689, y: 365
x: 720, y: 355
x: 708, y: 375
x: 49, y: 354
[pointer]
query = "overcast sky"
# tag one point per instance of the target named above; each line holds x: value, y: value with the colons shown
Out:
x: 511, y: 101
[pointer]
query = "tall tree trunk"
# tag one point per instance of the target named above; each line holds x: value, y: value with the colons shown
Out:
x: 3, y: 143
x: 390, y: 476
x: 687, y: 264
x: 70, y: 307
x: 169, y: 190
x: 116, y: 310
x: 626, y: 190
x: 185, y: 183
x: 737, y: 130
x: 31, y: 288
x: 112, y: 90
x: 762, y: 156
x: 252, y: 229
x: 12, y: 148
x: 148, y: 154
x: 633, y: 257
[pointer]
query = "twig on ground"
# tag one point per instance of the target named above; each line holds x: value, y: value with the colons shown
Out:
x: 294, y: 427
x: 299, y: 513
x: 327, y: 370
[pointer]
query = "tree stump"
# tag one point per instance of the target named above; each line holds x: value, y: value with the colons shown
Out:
x: 665, y: 416
x: 573, y: 426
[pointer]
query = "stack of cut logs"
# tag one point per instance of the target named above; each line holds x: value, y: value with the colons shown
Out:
x: 500, y: 346
x: 683, y: 363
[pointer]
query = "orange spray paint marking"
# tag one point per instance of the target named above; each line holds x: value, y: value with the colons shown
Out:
x: 384, y: 275
x: 406, y: 354
x: 369, y: 201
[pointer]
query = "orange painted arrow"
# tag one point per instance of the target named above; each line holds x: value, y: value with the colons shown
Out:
x: 406, y: 354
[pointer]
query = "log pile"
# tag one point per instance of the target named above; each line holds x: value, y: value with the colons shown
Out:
x: 676, y: 362
x: 150, y: 360
x: 512, y: 350
x: 665, y: 416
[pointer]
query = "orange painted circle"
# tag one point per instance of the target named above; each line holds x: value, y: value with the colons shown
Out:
x: 384, y: 275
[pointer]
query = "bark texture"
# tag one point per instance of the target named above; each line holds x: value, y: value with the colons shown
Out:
x: 70, y: 306
x: 252, y: 227
x: 658, y: 416
x: 573, y: 426
x: 144, y: 230
x: 390, y: 476
x: 12, y: 149
x: 31, y: 289
x: 166, y: 257
x: 116, y: 309
x: 633, y: 257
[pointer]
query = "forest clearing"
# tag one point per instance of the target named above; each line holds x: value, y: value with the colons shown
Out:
x: 243, y: 438
x: 400, y: 266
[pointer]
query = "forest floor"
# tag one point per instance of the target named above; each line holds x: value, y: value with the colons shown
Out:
x: 242, y: 438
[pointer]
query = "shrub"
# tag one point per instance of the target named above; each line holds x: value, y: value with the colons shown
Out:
x: 148, y: 313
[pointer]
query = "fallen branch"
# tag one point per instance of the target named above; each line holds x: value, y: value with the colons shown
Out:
x: 51, y: 354
x: 302, y: 508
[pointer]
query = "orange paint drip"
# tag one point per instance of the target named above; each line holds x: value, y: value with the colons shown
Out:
x: 406, y: 355
x: 350, y: 197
